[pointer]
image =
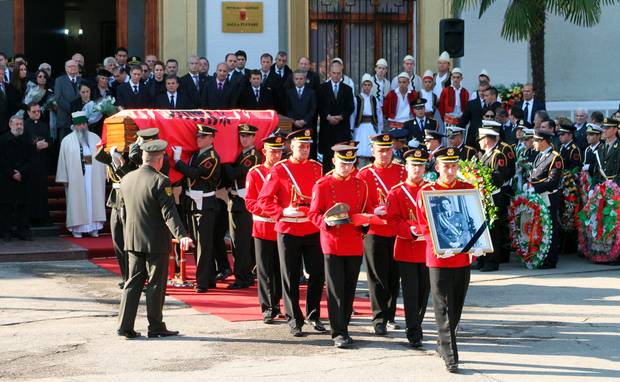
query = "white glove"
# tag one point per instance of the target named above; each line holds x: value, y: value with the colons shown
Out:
x: 330, y: 223
x: 447, y: 253
x: 380, y: 211
x: 186, y: 243
x: 585, y: 167
x: 413, y: 143
x: 590, y: 194
x: 176, y: 153
x: 412, y: 229
x: 291, y: 213
x: 117, y: 158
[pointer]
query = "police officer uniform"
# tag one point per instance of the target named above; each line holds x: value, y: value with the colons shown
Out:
x: 135, y: 151
x: 495, y: 160
x: 464, y: 151
x: 379, y: 241
x: 571, y: 156
x: 116, y: 170
x: 545, y: 180
x: 591, y: 155
x: 409, y: 249
x: 610, y: 154
x: 240, y: 219
x: 335, y: 200
x: 202, y: 175
x: 151, y: 217
x: 285, y: 197
x: 265, y: 244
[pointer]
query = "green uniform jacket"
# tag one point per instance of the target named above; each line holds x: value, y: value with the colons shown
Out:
x: 151, y: 214
x: 610, y: 161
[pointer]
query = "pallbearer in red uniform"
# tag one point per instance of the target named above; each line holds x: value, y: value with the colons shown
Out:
x: 410, y: 247
x: 381, y: 176
x: 263, y: 231
x: 336, y: 198
x: 448, y: 273
x: 285, y: 197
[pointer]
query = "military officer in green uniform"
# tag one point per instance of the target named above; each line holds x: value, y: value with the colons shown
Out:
x: 456, y: 141
x: 239, y: 218
x: 151, y: 217
x: 119, y: 165
x: 135, y: 151
x: 545, y: 180
x: 493, y: 158
x: 202, y: 175
x: 610, y: 152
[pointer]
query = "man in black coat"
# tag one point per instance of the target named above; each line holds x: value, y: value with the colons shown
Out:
x: 421, y: 122
x: 313, y: 80
x: 38, y: 132
x: 133, y: 94
x: 172, y: 98
x: 301, y: 107
x: 472, y: 115
x: 280, y: 67
x: 219, y: 94
x: 335, y: 101
x: 193, y: 83
x: 256, y: 96
x: 16, y: 153
x: 4, y: 103
x: 274, y: 82
x: 529, y: 105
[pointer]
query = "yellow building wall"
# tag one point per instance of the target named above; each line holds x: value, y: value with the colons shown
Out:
x: 429, y: 13
x: 178, y: 30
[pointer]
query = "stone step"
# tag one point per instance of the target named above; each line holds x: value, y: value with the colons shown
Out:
x: 41, y: 249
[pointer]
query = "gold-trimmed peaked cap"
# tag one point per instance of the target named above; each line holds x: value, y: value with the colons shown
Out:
x: 205, y: 130
x: 275, y: 142
x: 382, y: 140
x: 338, y: 214
x: 417, y: 155
x: 447, y: 155
x: 244, y: 128
x: 610, y: 122
x: 346, y: 153
x: 303, y: 135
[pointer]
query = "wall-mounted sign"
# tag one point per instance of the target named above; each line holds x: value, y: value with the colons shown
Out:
x: 242, y: 17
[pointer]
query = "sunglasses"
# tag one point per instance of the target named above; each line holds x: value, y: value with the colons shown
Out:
x: 489, y: 116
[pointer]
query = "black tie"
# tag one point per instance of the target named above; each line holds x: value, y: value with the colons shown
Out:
x: 135, y: 89
x: 256, y: 94
x: 280, y: 73
x: 526, y: 111
x: 264, y: 77
x: 422, y: 125
x: 172, y: 100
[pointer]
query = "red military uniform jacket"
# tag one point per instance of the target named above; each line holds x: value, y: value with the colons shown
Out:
x: 390, y: 103
x: 447, y: 100
x: 263, y: 226
x: 432, y: 261
x: 276, y: 195
x: 383, y: 181
x: 403, y: 214
x: 343, y: 239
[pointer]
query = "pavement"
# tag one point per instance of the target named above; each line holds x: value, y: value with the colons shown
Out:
x: 58, y: 323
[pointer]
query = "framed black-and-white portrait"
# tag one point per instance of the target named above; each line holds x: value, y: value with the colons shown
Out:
x: 454, y: 217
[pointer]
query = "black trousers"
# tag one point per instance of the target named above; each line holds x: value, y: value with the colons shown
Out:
x: 292, y: 250
x: 382, y: 277
x: 203, y: 230
x: 220, y: 259
x: 118, y: 241
x: 505, y: 244
x: 341, y: 274
x: 448, y: 288
x: 416, y: 288
x: 554, y: 211
x: 268, y: 273
x: 242, y: 245
x: 144, y: 266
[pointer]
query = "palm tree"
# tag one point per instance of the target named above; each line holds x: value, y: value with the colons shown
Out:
x: 525, y: 20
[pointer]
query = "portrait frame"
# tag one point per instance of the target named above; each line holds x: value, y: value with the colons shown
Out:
x: 454, y: 216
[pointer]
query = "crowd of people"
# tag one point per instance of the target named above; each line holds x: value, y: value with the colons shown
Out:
x: 342, y: 185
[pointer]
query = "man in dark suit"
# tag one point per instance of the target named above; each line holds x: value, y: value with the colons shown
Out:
x: 473, y: 113
x: 150, y: 218
x: 193, y: 83
x: 133, y: 94
x: 417, y: 125
x: 172, y: 98
x: 66, y: 90
x: 335, y: 104
x: 256, y: 96
x: 280, y: 67
x: 529, y: 105
x: 274, y: 82
x: 301, y: 107
x: 219, y: 93
x: 313, y: 80
x: 581, y: 121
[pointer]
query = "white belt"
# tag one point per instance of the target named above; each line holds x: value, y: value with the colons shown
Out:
x: 242, y: 192
x: 497, y: 191
x: 295, y: 220
x: 507, y: 183
x: 116, y: 186
x: 257, y: 218
x: 204, y: 194
x: 545, y: 196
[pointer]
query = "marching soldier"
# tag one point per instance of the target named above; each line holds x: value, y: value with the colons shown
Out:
x: 381, y: 176
x: 493, y: 158
x: 240, y: 219
x: 202, y: 175
x: 449, y: 272
x: 135, y: 151
x: 610, y: 152
x: 571, y: 156
x: 545, y: 180
x: 335, y: 199
x: 151, y: 217
x: 591, y: 155
x: 409, y: 249
x: 263, y: 230
x: 285, y: 197
x: 456, y: 140
x: 119, y: 165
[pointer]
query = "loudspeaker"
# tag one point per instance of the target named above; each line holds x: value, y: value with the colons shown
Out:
x: 452, y: 37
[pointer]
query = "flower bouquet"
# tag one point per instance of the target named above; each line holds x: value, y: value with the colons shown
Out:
x: 480, y: 176
x: 105, y: 106
x: 510, y: 95
x: 571, y: 201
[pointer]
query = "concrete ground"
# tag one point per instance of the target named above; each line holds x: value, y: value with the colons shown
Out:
x: 58, y: 322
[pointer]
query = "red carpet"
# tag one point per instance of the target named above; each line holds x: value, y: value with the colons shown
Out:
x: 97, y: 246
x: 232, y: 305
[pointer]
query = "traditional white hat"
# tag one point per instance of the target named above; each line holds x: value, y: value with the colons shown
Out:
x: 457, y: 70
x: 408, y: 58
x: 338, y: 60
x: 366, y: 77
x: 484, y: 72
x: 404, y: 75
x: 427, y: 74
x: 382, y: 62
x: 444, y: 56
